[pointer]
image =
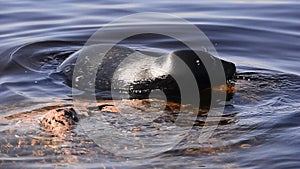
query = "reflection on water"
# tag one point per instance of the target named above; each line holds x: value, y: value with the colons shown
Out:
x: 259, y: 124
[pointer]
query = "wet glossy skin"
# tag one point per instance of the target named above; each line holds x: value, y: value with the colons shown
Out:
x: 125, y: 69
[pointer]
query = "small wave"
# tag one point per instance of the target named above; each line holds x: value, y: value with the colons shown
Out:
x: 44, y: 56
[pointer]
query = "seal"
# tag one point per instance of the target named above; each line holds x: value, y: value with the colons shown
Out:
x: 136, y: 73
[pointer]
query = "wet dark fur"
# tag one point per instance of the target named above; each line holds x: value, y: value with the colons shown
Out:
x: 144, y: 79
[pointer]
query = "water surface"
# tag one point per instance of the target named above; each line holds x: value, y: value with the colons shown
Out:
x: 261, y: 37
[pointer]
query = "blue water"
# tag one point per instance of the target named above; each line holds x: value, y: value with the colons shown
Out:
x: 261, y: 37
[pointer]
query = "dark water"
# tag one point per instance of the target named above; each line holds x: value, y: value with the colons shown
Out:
x: 260, y: 37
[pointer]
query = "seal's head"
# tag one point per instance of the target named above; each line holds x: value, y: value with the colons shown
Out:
x: 198, y: 62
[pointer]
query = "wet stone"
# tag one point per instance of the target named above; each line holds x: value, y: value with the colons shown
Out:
x: 59, y: 121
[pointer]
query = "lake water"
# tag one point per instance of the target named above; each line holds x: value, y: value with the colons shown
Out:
x: 261, y: 122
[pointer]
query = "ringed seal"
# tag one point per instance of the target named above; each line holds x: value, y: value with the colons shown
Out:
x: 125, y: 69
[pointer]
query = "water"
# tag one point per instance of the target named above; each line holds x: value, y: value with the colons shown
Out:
x: 260, y: 129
